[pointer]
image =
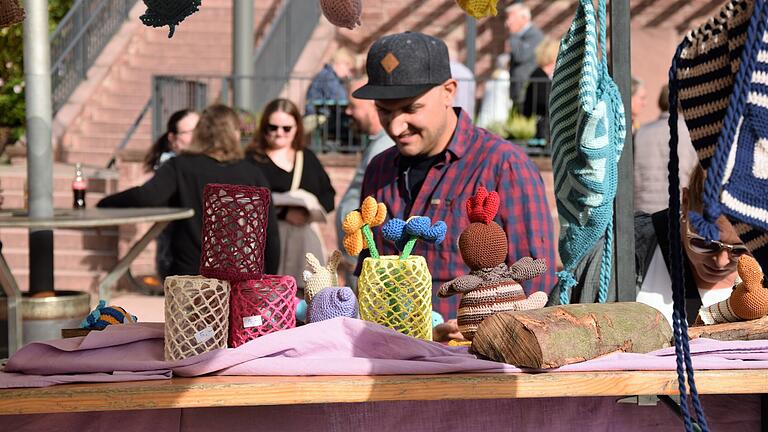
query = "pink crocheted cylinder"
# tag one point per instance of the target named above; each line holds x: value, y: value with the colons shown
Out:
x: 261, y: 306
x: 234, y: 231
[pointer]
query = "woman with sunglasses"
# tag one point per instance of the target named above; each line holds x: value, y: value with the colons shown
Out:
x: 278, y: 150
x: 710, y: 266
x: 214, y: 156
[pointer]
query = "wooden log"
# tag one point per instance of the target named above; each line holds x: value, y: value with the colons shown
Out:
x: 741, y: 330
x: 560, y: 335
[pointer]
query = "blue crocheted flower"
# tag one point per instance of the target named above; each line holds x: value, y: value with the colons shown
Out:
x: 417, y: 227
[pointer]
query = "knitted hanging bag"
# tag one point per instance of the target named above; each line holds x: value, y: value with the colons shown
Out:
x: 587, y: 130
x: 168, y: 13
x: 727, y: 119
x: 702, y: 79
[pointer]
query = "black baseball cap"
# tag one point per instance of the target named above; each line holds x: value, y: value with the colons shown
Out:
x: 404, y: 65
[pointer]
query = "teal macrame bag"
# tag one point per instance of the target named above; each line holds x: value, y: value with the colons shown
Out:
x: 588, y: 130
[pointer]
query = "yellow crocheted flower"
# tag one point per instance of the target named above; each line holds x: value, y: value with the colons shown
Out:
x: 371, y: 214
x: 479, y: 8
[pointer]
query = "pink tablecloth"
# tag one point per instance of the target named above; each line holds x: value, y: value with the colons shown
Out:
x: 340, y: 346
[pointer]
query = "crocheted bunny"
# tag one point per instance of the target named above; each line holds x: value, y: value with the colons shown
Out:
x: 319, y: 276
x: 491, y: 286
x: 748, y: 301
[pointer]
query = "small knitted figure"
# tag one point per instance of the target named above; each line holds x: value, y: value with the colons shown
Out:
x: 342, y: 13
x: 319, y: 276
x: 331, y: 303
x: 105, y: 315
x: 491, y: 286
x: 748, y: 301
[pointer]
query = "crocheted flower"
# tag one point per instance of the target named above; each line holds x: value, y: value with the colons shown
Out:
x: 357, y: 227
x: 404, y: 234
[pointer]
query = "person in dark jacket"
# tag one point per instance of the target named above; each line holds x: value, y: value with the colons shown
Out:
x: 540, y: 84
x: 215, y: 156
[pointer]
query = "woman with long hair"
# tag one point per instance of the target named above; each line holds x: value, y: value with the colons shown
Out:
x: 294, y: 172
x: 177, y: 137
x: 214, y: 156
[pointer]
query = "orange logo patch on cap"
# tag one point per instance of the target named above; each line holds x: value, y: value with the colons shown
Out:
x: 389, y: 62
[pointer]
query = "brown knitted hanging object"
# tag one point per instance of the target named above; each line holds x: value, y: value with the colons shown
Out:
x: 343, y: 13
x: 10, y: 13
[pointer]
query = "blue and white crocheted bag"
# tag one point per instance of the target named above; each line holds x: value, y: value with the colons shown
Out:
x: 588, y: 131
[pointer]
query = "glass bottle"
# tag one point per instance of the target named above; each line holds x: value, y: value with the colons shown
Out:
x: 79, y: 185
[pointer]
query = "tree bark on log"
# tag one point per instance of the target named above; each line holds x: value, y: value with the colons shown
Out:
x: 742, y: 330
x: 560, y: 335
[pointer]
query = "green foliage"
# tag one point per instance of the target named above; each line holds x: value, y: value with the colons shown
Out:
x: 521, y: 127
x: 12, y: 68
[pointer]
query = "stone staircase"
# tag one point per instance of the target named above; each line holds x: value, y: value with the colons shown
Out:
x: 81, y: 257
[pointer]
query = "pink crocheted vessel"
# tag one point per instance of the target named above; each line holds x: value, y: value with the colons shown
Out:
x: 261, y: 306
x: 234, y: 231
x: 343, y: 13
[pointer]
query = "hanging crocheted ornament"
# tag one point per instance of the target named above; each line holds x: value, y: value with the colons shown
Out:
x: 10, y: 13
x: 479, y: 8
x: 168, y: 13
x: 343, y: 13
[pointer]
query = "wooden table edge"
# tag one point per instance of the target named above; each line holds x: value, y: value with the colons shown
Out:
x: 227, y: 391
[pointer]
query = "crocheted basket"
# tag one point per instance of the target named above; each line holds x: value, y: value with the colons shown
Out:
x: 397, y: 294
x: 196, y: 312
x: 234, y: 231
x: 10, y: 13
x: 261, y: 306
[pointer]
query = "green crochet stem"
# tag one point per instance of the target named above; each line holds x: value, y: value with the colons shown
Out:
x: 368, y: 234
x: 408, y: 248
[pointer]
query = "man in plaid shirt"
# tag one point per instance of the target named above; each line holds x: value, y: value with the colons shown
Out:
x: 440, y: 159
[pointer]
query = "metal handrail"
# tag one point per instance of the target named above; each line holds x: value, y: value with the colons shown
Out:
x: 79, y: 39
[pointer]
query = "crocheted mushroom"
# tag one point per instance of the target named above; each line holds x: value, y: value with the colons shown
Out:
x: 343, y: 13
x: 748, y: 301
x: 491, y: 286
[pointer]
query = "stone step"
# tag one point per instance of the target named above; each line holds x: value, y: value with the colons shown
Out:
x: 102, y: 239
x: 64, y: 259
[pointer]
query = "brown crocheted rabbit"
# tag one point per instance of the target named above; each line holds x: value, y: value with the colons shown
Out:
x: 748, y: 301
x: 319, y: 276
x: 491, y: 286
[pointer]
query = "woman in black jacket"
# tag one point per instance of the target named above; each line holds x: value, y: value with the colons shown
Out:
x: 215, y: 156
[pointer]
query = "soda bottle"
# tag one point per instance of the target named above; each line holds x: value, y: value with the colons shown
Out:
x: 79, y: 185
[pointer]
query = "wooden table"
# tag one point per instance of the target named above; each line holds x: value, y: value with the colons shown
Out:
x: 81, y: 219
x: 231, y: 391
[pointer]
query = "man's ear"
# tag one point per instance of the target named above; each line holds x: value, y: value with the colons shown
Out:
x: 449, y: 92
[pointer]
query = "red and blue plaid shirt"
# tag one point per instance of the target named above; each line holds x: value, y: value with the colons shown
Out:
x: 475, y: 158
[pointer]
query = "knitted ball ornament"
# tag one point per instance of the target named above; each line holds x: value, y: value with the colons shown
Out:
x: 105, y: 315
x: 331, y: 303
x: 479, y: 8
x: 168, y: 13
x: 10, y: 13
x: 343, y: 13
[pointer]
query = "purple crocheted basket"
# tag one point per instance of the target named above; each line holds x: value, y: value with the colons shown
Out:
x: 234, y: 231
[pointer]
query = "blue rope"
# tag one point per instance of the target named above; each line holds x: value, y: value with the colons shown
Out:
x: 679, y: 323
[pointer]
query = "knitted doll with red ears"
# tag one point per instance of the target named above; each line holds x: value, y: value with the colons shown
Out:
x: 491, y: 286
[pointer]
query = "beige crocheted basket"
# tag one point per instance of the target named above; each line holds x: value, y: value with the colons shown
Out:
x: 196, y: 316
